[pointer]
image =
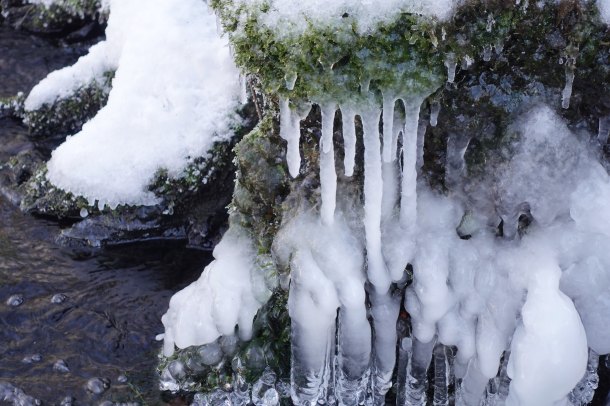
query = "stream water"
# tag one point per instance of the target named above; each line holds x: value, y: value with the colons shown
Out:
x: 95, y: 312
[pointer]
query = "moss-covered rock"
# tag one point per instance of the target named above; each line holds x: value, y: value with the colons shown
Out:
x: 66, y: 116
x: 81, y: 18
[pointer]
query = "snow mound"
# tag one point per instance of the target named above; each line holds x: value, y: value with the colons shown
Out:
x: 175, y: 94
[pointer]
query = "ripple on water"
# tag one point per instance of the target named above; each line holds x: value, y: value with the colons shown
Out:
x: 102, y: 324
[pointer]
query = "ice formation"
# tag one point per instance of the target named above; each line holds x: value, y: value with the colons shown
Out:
x: 229, y: 293
x: 521, y: 310
x: 175, y: 94
x: 504, y: 313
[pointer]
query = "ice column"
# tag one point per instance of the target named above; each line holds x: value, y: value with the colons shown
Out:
x: 417, y: 372
x: 373, y: 191
x: 384, y: 311
x: 312, y: 304
x: 442, y: 375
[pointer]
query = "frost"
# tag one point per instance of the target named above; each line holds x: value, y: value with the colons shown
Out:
x: 175, y: 93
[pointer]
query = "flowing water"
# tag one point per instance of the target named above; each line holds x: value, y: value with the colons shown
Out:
x: 98, y: 311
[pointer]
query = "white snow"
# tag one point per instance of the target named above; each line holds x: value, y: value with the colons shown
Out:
x: 287, y: 17
x: 175, y: 93
x: 604, y: 10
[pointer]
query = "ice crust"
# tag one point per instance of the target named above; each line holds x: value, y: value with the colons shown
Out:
x: 175, y: 93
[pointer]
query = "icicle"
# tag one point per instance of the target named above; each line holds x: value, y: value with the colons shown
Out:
x: 451, y: 65
x: 290, y: 130
x: 566, y: 94
x: 442, y: 375
x: 373, y: 184
x: 384, y: 311
x: 243, y: 87
x: 417, y: 372
x: 584, y: 391
x: 388, y: 124
x: 604, y: 130
x: 349, y: 139
x: 408, y: 199
x: 328, y: 176
x: 291, y: 79
x: 421, y: 134
x: 435, y: 109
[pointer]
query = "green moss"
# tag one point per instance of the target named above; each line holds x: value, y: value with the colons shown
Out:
x: 262, y: 181
x: 334, y: 62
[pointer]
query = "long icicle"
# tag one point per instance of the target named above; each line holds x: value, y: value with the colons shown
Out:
x: 328, y: 175
x: 290, y: 130
x: 373, y: 185
x: 349, y: 138
x: 408, y: 202
x: 388, y: 124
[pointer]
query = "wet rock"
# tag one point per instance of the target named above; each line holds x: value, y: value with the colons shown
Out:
x: 211, y: 354
x: 31, y: 359
x: 67, y: 401
x: 58, y: 298
x: 122, y: 379
x: 177, y: 369
x: 61, y: 366
x: 97, y: 386
x: 15, y: 300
